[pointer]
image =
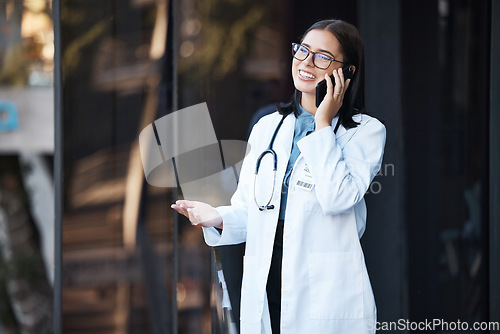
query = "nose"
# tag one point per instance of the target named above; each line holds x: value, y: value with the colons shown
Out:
x: 309, y: 60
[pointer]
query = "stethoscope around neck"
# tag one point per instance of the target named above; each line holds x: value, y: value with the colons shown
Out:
x: 269, y: 150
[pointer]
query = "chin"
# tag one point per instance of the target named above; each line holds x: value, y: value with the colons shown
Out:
x: 306, y: 89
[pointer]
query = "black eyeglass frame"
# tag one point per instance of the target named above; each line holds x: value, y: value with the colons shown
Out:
x: 297, y: 46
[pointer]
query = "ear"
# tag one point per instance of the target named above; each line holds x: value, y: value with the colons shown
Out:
x: 353, y: 69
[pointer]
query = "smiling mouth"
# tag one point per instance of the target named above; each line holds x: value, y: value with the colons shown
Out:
x: 305, y: 75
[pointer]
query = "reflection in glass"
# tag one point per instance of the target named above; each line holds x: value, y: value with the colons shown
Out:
x: 231, y: 56
x: 118, y: 232
x: 26, y: 148
x: 26, y: 43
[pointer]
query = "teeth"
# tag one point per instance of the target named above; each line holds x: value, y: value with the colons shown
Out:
x: 307, y: 75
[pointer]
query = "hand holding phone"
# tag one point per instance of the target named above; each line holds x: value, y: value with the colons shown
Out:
x: 321, y: 86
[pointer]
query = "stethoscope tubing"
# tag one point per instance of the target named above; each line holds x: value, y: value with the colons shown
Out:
x: 271, y: 151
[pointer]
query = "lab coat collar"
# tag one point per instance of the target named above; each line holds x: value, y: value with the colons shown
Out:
x: 340, y: 131
x: 288, y: 128
x: 285, y: 139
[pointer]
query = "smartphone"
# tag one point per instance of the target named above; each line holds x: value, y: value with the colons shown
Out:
x: 321, y: 86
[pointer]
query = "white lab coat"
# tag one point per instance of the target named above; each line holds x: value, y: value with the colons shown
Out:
x: 325, y: 284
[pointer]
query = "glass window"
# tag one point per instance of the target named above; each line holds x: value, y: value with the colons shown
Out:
x: 118, y: 232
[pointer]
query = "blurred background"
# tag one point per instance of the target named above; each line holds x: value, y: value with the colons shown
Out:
x: 87, y: 246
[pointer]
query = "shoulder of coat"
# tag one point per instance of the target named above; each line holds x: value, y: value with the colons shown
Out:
x: 363, y: 119
x: 269, y: 119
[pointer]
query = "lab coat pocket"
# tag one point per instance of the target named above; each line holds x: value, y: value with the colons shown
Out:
x: 249, y: 296
x: 336, y: 285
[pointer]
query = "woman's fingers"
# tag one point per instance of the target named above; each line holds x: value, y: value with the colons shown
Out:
x: 329, y: 85
x: 333, y: 100
x: 182, y: 206
x: 198, y: 213
x: 339, y: 83
x: 185, y: 203
x: 342, y: 81
x: 186, y: 208
x: 338, y: 90
x: 180, y: 209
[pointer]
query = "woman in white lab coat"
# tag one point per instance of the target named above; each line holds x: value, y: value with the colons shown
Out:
x: 304, y: 269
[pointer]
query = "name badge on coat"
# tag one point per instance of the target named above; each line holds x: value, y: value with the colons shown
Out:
x: 305, y: 180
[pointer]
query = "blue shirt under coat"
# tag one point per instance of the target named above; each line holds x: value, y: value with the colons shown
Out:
x: 304, y: 125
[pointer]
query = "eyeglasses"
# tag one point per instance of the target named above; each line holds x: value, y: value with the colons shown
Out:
x: 319, y: 59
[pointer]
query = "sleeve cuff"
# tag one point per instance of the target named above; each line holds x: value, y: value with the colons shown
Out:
x: 233, y: 231
x: 325, y: 134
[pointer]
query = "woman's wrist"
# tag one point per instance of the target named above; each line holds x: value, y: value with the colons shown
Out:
x: 322, y: 124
